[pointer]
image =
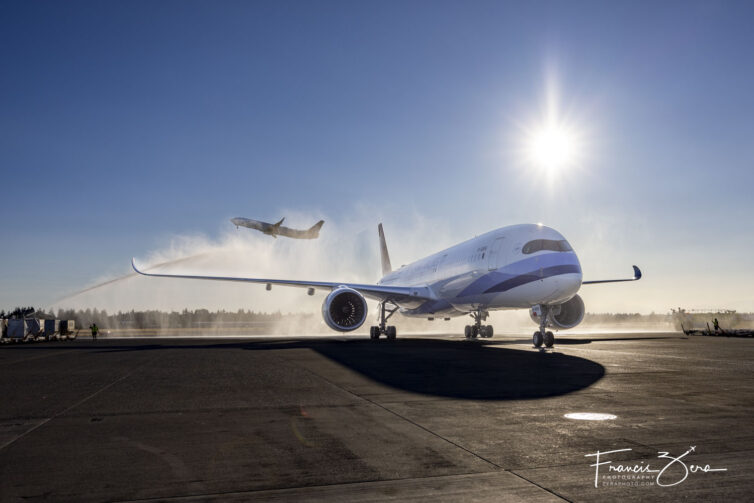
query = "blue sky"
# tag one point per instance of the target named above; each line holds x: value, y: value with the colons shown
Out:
x: 127, y: 124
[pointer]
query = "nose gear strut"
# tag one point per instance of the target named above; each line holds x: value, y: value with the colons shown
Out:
x: 541, y: 336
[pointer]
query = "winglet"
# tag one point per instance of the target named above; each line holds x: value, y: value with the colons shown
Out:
x: 277, y: 225
x: 133, y: 264
x: 385, y: 258
x: 637, y: 273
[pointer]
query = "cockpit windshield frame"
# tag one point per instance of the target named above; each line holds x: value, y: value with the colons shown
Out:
x: 536, y: 245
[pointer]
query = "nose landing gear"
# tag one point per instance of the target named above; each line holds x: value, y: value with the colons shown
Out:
x: 548, y: 339
x: 477, y: 329
x: 541, y: 336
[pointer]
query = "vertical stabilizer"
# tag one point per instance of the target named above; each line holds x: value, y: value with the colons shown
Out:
x: 314, y: 229
x: 385, y: 258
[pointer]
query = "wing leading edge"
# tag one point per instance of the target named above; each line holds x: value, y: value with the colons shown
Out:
x: 378, y: 292
x: 637, y: 276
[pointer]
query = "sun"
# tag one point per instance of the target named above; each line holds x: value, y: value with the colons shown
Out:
x: 554, y: 142
x: 552, y: 147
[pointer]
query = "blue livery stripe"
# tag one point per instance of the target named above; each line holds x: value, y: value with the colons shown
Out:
x: 522, y: 269
x: 547, y: 272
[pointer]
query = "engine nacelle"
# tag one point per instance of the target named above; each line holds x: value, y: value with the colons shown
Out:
x: 566, y: 315
x: 344, y: 309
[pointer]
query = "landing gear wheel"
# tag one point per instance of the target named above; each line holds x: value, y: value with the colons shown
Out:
x: 549, y: 339
x: 477, y: 329
x: 537, y: 339
x: 391, y: 333
x: 488, y: 331
x: 383, y: 328
x: 467, y: 331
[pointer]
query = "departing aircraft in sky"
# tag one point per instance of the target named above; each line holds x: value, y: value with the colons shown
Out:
x: 528, y: 266
x: 277, y: 229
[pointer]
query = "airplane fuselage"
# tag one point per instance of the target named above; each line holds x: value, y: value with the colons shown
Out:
x: 278, y: 229
x: 253, y: 224
x: 513, y: 267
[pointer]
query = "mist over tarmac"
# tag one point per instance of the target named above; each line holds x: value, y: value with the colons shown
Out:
x: 347, y: 250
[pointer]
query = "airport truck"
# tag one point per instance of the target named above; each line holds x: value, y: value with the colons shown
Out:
x: 67, y: 329
x: 31, y: 329
x: 34, y: 329
x: 23, y: 329
x: 50, y: 330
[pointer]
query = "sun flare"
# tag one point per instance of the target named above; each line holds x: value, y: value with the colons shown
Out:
x: 553, y: 143
x: 553, y: 147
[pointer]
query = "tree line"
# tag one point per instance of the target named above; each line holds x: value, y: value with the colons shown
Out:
x: 204, y: 317
x: 146, y: 319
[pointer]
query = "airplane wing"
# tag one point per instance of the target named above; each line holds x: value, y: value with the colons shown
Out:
x: 637, y: 276
x: 378, y: 292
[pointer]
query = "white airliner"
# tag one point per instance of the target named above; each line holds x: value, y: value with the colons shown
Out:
x: 277, y: 229
x: 527, y: 266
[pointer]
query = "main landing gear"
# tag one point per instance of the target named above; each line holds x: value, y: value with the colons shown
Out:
x: 540, y: 336
x: 477, y: 329
x: 383, y: 328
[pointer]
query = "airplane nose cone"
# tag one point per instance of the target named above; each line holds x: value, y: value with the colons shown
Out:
x: 571, y: 282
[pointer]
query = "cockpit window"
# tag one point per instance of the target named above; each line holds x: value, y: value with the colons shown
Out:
x: 546, y: 244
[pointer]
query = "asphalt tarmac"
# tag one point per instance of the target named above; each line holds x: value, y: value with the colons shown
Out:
x: 346, y: 419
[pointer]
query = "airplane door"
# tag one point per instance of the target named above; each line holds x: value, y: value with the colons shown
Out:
x: 439, y: 263
x: 496, y: 255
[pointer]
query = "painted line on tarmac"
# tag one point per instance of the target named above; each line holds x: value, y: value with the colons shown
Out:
x: 389, y: 411
x: 47, y: 420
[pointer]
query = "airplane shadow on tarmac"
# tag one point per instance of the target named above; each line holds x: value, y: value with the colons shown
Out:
x: 563, y: 341
x: 458, y: 369
x: 479, y: 370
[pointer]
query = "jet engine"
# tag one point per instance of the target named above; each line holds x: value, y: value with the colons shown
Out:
x: 344, y: 309
x: 566, y: 315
